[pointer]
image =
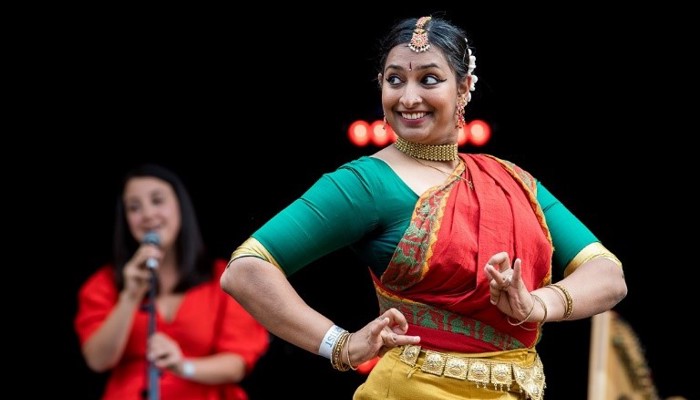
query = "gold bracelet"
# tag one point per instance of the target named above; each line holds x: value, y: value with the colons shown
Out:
x: 336, y: 358
x: 559, y: 294
x: 544, y: 307
x: 336, y: 361
x: 347, y: 352
x: 569, y: 301
x: 524, y: 319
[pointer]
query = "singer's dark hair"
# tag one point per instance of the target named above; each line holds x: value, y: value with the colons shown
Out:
x: 194, y: 263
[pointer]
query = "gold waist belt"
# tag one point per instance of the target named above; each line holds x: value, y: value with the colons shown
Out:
x: 482, y: 371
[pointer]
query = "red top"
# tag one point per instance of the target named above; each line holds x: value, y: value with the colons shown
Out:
x: 436, y: 277
x: 208, y: 321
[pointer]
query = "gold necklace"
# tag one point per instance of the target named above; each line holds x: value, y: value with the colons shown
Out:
x: 450, y: 174
x: 430, y: 152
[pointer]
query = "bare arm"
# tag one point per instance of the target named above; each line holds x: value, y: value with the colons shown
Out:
x: 105, y: 347
x: 214, y: 369
x: 263, y: 290
x: 594, y: 287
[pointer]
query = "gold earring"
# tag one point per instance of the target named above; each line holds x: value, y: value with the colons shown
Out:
x: 461, y: 105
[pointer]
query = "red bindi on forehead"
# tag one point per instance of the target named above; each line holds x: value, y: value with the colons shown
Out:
x: 402, y: 58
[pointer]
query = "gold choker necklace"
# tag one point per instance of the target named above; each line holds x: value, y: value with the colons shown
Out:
x: 430, y: 152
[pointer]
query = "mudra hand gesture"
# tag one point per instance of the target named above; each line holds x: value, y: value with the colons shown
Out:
x: 379, y: 336
x: 508, y: 291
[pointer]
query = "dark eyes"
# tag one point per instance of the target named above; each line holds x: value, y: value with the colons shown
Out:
x: 135, y: 206
x: 427, y: 80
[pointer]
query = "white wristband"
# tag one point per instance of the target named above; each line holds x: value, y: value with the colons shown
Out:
x: 187, y: 369
x: 329, y: 340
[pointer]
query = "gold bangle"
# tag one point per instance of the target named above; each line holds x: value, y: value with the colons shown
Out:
x: 524, y: 319
x: 559, y: 294
x: 544, y: 307
x: 569, y: 301
x: 347, y: 352
x: 336, y: 358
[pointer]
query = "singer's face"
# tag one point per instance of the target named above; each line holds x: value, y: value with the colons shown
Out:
x: 152, y: 205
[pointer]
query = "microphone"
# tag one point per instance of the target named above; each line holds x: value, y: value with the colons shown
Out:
x: 153, y: 238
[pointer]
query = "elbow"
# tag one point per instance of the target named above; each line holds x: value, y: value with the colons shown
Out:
x: 247, y: 278
x: 621, y: 291
x: 238, y: 374
x: 96, y: 360
x: 233, y: 280
x: 621, y: 286
x: 226, y: 281
x: 99, y: 366
x: 617, y: 288
x: 617, y: 291
x: 231, y: 367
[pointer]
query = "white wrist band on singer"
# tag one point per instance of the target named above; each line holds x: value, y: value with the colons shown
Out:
x: 187, y: 369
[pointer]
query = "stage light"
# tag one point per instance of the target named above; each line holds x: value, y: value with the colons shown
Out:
x: 479, y: 132
x: 361, y: 133
x: 381, y: 134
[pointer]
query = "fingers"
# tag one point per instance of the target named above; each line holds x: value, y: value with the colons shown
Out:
x: 517, y: 270
x: 495, y: 292
x: 500, y: 260
x: 499, y: 280
x: 388, y: 331
x: 502, y: 276
x: 394, y: 326
x: 163, y: 351
x: 389, y: 339
x: 378, y: 328
x: 511, y: 276
x: 397, y: 321
x: 146, y: 252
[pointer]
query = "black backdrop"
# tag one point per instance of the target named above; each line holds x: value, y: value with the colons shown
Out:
x: 251, y: 106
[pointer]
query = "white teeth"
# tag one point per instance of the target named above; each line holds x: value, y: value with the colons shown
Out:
x: 413, y: 115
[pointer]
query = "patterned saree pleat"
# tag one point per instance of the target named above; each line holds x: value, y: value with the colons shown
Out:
x: 436, y: 275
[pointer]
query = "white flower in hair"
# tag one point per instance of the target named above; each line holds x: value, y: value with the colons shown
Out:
x: 470, y: 69
x: 472, y: 64
x: 472, y: 87
x: 473, y: 83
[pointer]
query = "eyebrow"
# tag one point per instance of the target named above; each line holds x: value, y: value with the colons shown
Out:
x: 415, y: 67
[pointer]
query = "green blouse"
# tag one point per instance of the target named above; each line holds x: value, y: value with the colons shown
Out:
x: 366, y: 206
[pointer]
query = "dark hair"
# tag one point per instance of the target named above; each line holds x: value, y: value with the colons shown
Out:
x: 442, y: 34
x: 193, y: 262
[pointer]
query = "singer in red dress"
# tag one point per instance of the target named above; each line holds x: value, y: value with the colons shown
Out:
x: 204, y: 343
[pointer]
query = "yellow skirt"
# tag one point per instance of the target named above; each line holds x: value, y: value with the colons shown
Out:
x: 410, y: 372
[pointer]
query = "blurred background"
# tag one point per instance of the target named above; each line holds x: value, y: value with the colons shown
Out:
x: 250, y: 106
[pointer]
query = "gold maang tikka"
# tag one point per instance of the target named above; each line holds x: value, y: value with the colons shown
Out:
x: 419, y: 41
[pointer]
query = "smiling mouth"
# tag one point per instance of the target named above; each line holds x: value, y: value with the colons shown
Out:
x: 414, y: 115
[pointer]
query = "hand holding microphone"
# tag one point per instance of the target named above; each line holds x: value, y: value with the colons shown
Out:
x: 152, y: 238
x: 137, y: 278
